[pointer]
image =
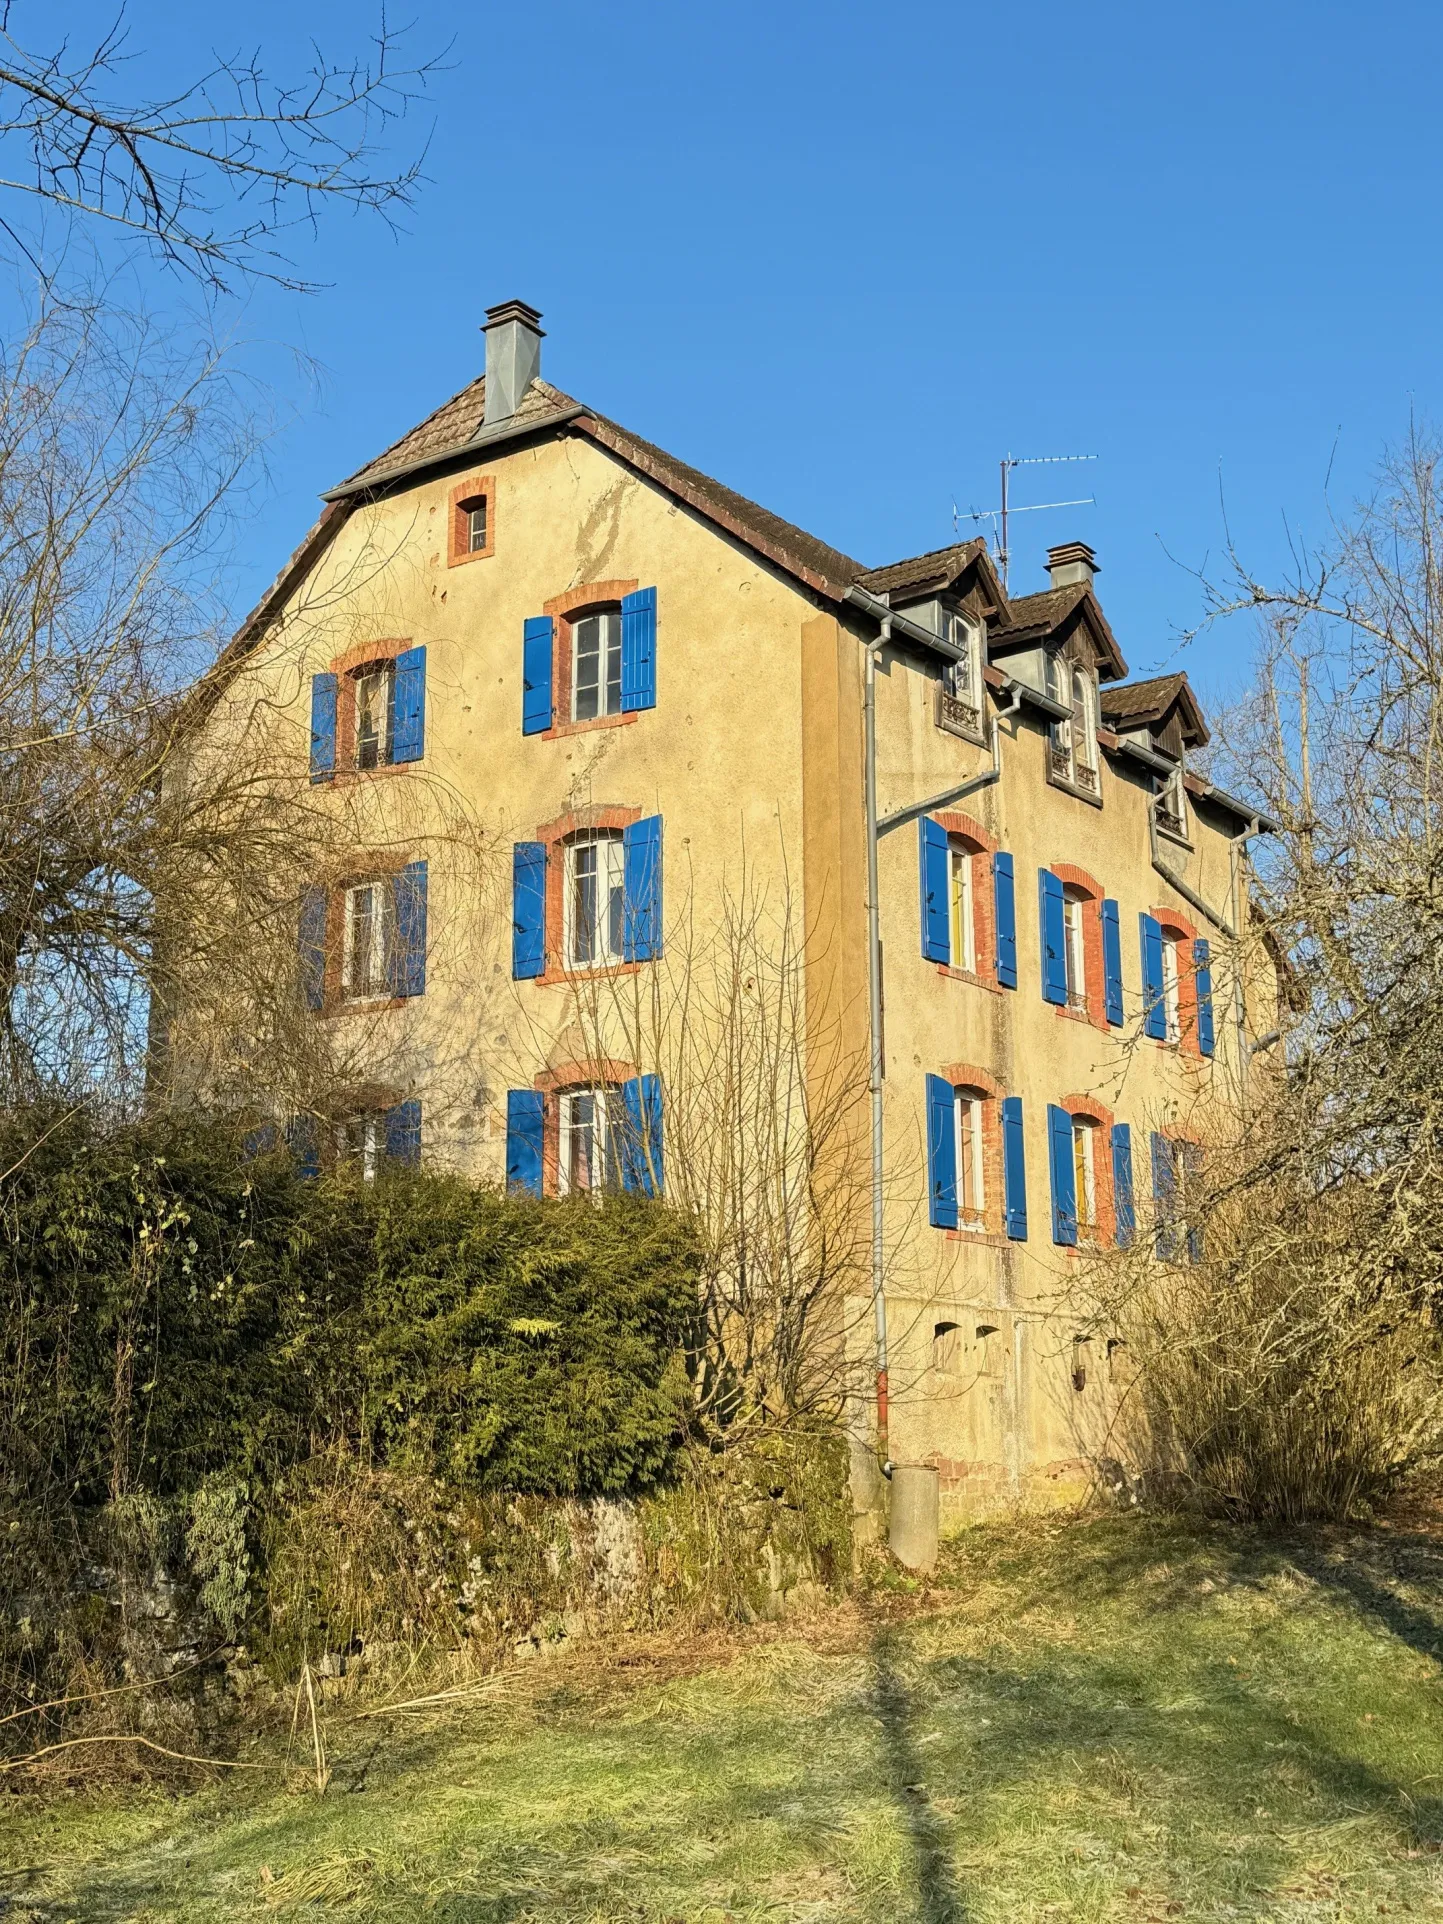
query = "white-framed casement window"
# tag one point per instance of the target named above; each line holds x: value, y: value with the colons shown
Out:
x: 1172, y: 806
x: 964, y: 677
x: 588, y: 1162
x: 963, y: 908
x: 1074, y: 947
x: 971, y: 1191
x: 361, y: 1142
x: 596, y: 665
x: 367, y: 936
x: 375, y: 697
x: 1074, y: 738
x: 476, y: 516
x: 1084, y: 1172
x: 1171, y: 990
x: 595, y: 899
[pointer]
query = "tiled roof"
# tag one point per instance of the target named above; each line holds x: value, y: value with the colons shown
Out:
x: 939, y: 569
x: 1136, y: 702
x: 451, y: 429
x: 1030, y: 617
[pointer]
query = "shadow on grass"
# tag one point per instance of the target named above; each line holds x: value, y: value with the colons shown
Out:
x: 938, y: 1901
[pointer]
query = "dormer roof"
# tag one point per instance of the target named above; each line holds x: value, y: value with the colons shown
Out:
x: 1151, y: 704
x: 1053, y: 612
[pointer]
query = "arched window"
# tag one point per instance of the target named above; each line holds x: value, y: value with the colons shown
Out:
x: 595, y: 898
x: 1074, y: 908
x: 971, y: 1161
x: 588, y: 1147
x: 1084, y: 729
x: 963, y: 902
x: 1172, y: 806
x: 596, y: 664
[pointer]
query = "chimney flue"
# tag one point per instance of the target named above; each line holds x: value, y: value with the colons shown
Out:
x: 1071, y: 561
x: 513, y: 357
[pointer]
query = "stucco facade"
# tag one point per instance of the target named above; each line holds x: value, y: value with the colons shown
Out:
x: 488, y: 544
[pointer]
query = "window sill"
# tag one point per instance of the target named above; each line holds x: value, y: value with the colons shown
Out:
x: 555, y: 976
x: 1084, y: 1014
x: 977, y: 1238
x: 558, y: 730
x: 353, y: 777
x: 977, y: 981
x: 1172, y: 835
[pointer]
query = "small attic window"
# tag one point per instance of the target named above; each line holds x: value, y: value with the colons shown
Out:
x: 1172, y: 816
x: 961, y: 707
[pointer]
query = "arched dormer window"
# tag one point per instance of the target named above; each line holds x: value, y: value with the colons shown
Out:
x: 1073, y: 748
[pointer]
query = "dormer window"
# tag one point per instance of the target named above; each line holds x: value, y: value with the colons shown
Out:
x: 1172, y: 806
x: 961, y: 708
x: 1073, y: 749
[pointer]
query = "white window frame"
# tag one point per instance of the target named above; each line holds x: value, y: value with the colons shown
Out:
x: 964, y: 678
x: 1173, y: 800
x: 610, y: 881
x: 372, y: 1145
x: 480, y: 506
x: 967, y: 1112
x: 962, y: 907
x: 1084, y: 1166
x: 1171, y: 988
x: 1084, y: 722
x: 603, y: 1142
x: 608, y: 690
x: 383, y: 673
x: 1074, y: 946
x: 358, y: 985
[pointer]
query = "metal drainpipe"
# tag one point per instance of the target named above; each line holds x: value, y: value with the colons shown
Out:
x: 1237, y: 858
x: 874, y: 997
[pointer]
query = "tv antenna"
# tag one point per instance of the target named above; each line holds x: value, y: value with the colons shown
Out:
x: 1002, y: 514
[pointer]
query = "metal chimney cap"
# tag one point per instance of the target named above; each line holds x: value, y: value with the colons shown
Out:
x: 515, y: 311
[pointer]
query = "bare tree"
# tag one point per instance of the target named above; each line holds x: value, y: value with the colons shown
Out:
x: 212, y: 176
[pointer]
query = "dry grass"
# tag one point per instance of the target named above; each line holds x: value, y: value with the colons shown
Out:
x: 1121, y: 1719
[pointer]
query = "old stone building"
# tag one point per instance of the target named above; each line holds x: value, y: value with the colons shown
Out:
x: 651, y: 694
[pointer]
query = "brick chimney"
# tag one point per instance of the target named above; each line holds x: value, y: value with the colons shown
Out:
x: 1069, y: 562
x: 513, y: 357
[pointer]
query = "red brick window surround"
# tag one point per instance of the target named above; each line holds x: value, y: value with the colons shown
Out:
x: 602, y: 1075
x: 1178, y: 936
x: 979, y: 1151
x: 352, y: 670
x: 471, y: 517
x: 557, y: 835
x: 1082, y: 896
x: 568, y: 611
x: 1099, y: 1224
x: 338, y: 998
x: 968, y: 841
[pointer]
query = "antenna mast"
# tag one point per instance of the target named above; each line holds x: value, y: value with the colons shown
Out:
x: 1003, y: 514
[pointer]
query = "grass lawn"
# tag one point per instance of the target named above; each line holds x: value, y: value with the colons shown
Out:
x: 1113, y: 1719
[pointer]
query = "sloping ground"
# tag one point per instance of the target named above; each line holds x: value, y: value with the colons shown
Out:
x: 1117, y: 1719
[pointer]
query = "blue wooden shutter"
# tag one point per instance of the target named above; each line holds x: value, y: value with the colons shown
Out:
x: 936, y: 880
x: 408, y: 955
x: 1112, y: 963
x: 1154, y: 1012
x: 525, y: 1136
x: 641, y: 890
x: 1014, y: 1169
x: 638, y: 650
x: 1203, y: 982
x: 403, y: 1134
x: 1004, y: 896
x: 323, y: 727
x: 641, y: 1155
x: 536, y: 674
x: 1053, y: 925
x: 260, y: 1141
x: 313, y: 946
x: 408, y: 707
x: 1124, y: 1207
x: 528, y: 910
x: 1164, y: 1196
x: 304, y: 1137
x: 1192, y: 1167
x: 941, y: 1153
x: 1064, y: 1182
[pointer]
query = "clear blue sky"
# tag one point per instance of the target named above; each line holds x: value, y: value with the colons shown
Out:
x: 845, y: 257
